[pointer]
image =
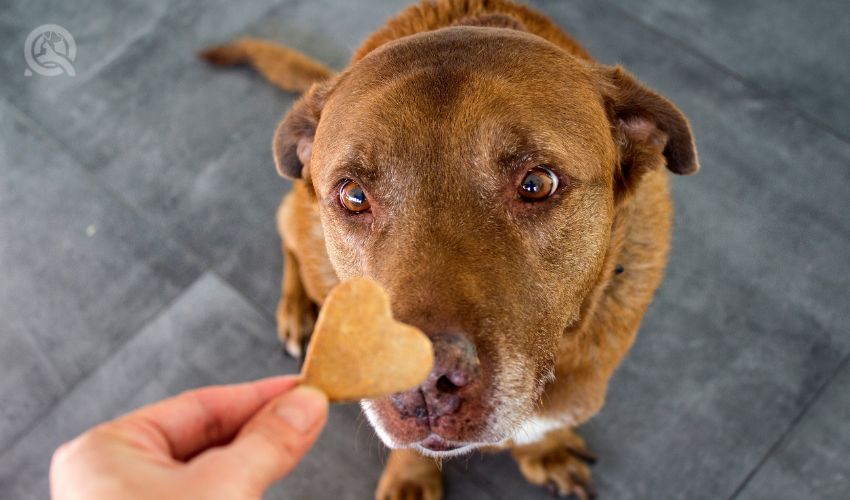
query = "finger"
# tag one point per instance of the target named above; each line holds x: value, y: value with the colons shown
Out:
x: 186, y: 424
x: 271, y: 444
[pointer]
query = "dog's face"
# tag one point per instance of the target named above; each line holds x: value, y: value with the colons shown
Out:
x: 474, y: 173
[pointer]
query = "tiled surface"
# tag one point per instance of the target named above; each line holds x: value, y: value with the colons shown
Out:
x: 81, y: 273
x: 811, y: 461
x: 793, y: 50
x: 730, y: 391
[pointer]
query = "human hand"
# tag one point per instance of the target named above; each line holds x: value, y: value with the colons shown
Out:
x: 229, y: 442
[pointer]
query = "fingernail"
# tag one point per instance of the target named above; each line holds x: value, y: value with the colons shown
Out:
x: 303, y: 407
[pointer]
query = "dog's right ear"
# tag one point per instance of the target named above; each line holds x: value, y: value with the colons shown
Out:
x: 650, y: 131
x: 292, y: 144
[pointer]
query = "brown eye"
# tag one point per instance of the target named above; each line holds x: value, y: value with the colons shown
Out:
x: 352, y: 197
x: 538, y: 184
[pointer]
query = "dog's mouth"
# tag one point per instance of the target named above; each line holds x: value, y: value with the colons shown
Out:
x: 437, y: 446
x: 436, y: 443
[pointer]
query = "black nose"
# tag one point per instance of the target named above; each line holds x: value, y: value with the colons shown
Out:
x: 456, y: 368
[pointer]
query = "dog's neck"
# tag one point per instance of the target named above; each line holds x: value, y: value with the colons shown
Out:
x: 504, y: 14
x: 608, y: 275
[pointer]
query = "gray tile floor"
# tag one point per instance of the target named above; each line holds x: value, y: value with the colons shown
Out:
x: 138, y: 255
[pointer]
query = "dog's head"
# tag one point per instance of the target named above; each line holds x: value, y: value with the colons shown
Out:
x: 475, y: 173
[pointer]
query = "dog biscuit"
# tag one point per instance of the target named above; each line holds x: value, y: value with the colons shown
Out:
x: 358, y: 351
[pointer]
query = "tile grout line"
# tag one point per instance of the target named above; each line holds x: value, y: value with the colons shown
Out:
x: 746, y: 82
x: 791, y: 426
x: 270, y: 317
x: 253, y: 303
x: 486, y: 485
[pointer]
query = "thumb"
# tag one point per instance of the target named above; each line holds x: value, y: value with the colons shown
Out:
x: 271, y: 444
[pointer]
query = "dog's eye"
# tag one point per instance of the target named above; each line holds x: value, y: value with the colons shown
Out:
x: 352, y: 197
x: 538, y: 184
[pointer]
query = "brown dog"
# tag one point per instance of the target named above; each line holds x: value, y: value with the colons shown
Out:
x: 508, y: 192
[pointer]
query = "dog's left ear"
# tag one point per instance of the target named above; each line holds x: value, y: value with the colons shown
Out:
x: 292, y: 144
x: 649, y: 129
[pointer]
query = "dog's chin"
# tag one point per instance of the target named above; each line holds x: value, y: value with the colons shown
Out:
x: 512, y: 419
x: 432, y: 445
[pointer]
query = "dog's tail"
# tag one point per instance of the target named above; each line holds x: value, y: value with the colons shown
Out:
x: 283, y: 67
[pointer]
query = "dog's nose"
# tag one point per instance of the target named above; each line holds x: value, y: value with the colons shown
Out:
x: 456, y: 368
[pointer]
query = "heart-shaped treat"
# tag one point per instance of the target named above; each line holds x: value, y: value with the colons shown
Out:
x: 358, y: 351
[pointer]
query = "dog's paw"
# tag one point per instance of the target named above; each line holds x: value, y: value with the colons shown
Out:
x: 296, y: 317
x: 410, y: 476
x: 560, y: 462
x: 410, y: 489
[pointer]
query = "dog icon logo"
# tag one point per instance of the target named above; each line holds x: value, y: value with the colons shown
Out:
x: 50, y: 50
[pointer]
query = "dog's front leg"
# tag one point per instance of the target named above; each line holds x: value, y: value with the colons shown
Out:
x: 296, y: 313
x: 410, y: 475
x: 307, y: 272
x: 560, y: 461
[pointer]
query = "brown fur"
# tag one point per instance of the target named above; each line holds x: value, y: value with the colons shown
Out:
x: 284, y: 67
x: 533, y: 286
